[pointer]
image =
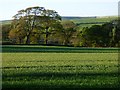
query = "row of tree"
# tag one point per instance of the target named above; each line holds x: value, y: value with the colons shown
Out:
x: 106, y: 35
x: 37, y: 25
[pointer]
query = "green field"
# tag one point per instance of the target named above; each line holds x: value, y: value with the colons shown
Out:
x: 59, y: 67
x: 80, y: 19
x: 97, y: 19
x: 89, y: 21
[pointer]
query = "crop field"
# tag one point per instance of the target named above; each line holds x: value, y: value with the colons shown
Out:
x: 59, y: 67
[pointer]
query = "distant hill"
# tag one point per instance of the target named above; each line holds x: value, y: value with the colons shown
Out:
x: 6, y: 22
x: 63, y: 18
x: 74, y: 18
x: 82, y: 21
x: 89, y: 21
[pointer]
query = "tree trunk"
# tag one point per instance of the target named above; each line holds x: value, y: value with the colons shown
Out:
x: 28, y: 38
x: 66, y: 41
x: 46, y: 35
x: 46, y: 39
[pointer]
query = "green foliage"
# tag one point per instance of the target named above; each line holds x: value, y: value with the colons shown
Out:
x: 37, y: 25
x: 5, y: 30
x: 26, y: 21
x: 105, y: 35
x: 67, y: 31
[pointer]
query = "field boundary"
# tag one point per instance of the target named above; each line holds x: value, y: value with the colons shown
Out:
x: 56, y: 49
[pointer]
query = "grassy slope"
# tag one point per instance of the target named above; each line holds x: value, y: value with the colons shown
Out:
x: 98, y: 19
x: 6, y: 22
x: 59, y: 70
x: 88, y: 22
x: 80, y: 19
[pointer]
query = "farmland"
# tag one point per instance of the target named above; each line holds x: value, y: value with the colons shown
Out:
x: 88, y: 22
x: 80, y: 20
x: 33, y: 67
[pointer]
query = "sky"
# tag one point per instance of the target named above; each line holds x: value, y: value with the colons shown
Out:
x: 81, y: 8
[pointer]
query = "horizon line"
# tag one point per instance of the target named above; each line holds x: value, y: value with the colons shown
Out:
x: 75, y: 16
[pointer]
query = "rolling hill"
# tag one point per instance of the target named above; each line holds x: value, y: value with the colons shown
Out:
x: 81, y: 21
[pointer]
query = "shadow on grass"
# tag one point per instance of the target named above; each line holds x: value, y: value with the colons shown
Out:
x: 55, y: 49
x: 62, y: 81
x: 58, y: 74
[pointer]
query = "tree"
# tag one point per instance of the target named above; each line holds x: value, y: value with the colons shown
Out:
x: 30, y: 19
x: 82, y: 35
x: 68, y: 30
x: 107, y: 34
x: 111, y: 33
x: 5, y: 31
x: 18, y: 33
x: 116, y: 32
x: 35, y: 19
x: 92, y: 36
x: 50, y: 22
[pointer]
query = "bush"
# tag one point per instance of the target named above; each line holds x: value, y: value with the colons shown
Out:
x: 7, y: 43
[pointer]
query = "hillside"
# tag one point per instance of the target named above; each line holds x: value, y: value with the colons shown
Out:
x: 6, y: 22
x: 81, y: 21
x: 75, y: 18
x: 89, y: 21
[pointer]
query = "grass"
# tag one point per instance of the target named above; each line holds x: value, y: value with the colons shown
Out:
x: 88, y: 22
x: 56, y: 49
x: 41, y: 70
x: 95, y: 20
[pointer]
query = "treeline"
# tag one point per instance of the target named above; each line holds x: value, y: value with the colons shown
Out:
x: 37, y: 25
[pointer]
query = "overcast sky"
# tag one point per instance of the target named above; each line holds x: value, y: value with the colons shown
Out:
x: 9, y: 8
